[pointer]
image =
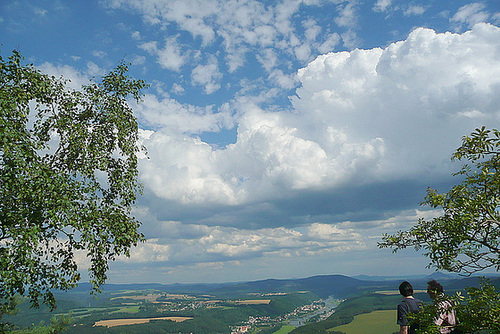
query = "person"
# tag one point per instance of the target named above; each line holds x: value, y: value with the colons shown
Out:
x: 408, y: 305
x: 446, y: 319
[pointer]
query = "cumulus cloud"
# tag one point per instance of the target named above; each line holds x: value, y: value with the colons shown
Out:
x: 207, y: 76
x: 170, y: 57
x: 169, y: 114
x: 426, y: 84
x: 359, y: 117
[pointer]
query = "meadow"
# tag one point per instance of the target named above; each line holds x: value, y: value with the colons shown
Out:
x: 376, y: 322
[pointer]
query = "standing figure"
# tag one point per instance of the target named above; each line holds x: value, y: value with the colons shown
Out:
x: 408, y: 305
x: 446, y: 319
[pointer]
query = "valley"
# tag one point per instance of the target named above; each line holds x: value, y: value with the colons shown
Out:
x: 329, y: 304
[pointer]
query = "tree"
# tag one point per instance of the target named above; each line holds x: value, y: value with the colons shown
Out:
x: 466, y: 238
x: 68, y: 179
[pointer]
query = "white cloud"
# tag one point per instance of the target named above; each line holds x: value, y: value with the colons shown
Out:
x: 175, y: 246
x: 177, y: 89
x: 184, y: 169
x: 185, y: 244
x: 329, y: 44
x: 303, y: 52
x: 347, y: 15
x: 136, y: 35
x: 242, y: 26
x: 282, y: 80
x: 382, y: 5
x: 414, y: 10
x: 268, y: 158
x: 94, y: 70
x: 350, y: 39
x: 99, y: 54
x: 268, y: 58
x: 207, y: 76
x: 169, y: 114
x: 40, y: 12
x: 312, y: 29
x: 471, y: 14
x: 76, y: 78
x: 149, y: 251
x: 361, y: 116
x: 421, y: 85
x: 170, y: 57
x: 138, y: 60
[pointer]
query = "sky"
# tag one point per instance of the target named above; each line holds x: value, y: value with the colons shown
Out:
x: 284, y: 137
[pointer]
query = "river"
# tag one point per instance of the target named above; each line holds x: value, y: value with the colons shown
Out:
x: 330, y: 304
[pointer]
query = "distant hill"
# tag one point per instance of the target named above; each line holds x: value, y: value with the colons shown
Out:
x: 436, y: 275
x: 324, y: 286
x: 339, y: 286
x: 174, y: 288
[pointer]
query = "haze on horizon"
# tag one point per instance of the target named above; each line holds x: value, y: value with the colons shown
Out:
x: 284, y: 138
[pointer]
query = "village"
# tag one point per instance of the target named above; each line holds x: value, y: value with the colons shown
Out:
x: 300, y: 312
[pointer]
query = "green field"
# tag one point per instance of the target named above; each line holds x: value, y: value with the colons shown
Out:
x: 377, y: 322
x: 285, y: 329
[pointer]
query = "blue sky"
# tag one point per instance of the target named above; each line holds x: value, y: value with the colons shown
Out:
x: 285, y: 137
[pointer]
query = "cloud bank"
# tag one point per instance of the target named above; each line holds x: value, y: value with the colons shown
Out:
x: 359, y: 117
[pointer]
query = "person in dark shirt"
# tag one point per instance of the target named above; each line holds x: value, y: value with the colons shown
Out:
x: 408, y: 305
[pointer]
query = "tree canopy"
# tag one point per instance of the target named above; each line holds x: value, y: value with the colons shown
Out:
x: 466, y: 238
x: 68, y: 178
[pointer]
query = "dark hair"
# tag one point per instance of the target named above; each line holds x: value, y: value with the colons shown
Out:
x: 406, y: 289
x: 435, y: 286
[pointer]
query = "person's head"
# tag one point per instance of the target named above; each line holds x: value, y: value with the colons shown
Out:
x: 434, y: 289
x: 406, y: 289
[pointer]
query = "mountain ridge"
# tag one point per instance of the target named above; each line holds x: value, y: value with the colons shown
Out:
x: 340, y: 286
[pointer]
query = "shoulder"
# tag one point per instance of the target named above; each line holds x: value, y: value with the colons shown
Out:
x: 405, y: 304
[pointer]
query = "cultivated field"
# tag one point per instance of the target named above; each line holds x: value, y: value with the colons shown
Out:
x: 377, y: 322
x: 254, y: 302
x: 151, y: 297
x: 123, y: 322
